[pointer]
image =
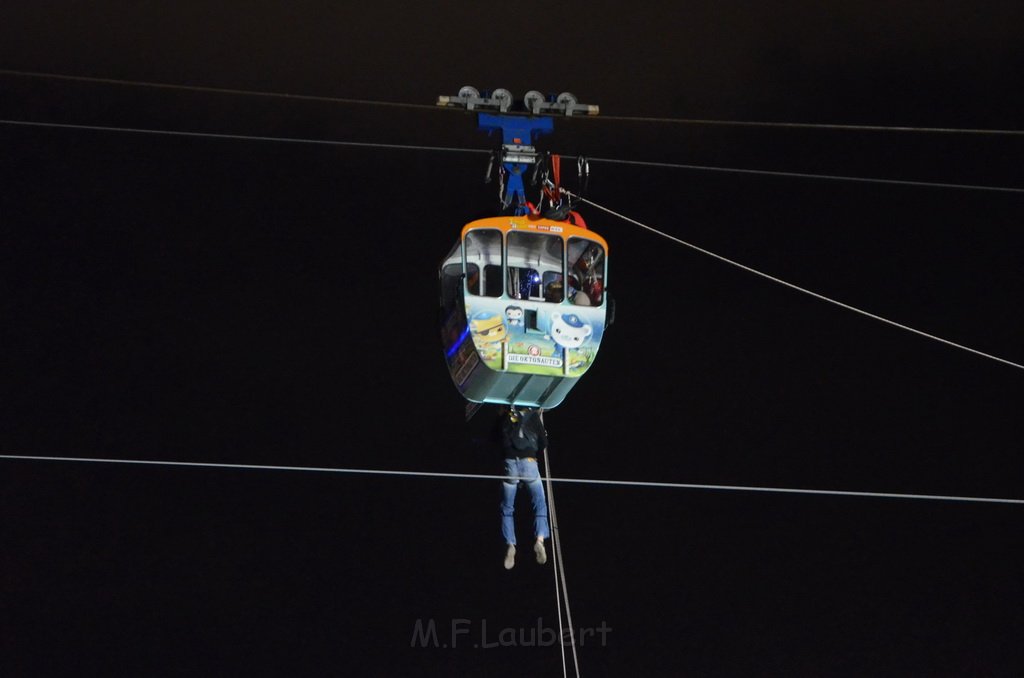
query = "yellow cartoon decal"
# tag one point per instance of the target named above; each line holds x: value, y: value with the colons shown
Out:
x: 489, y: 333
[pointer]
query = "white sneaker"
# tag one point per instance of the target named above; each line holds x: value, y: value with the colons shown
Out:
x: 542, y: 555
x: 510, y: 557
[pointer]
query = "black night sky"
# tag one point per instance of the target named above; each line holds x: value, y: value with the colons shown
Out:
x: 236, y: 301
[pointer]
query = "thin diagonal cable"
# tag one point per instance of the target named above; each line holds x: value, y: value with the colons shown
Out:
x: 624, y: 118
x: 796, y: 287
x: 559, y: 562
x: 480, y: 476
x: 808, y: 175
x: 450, y: 149
x: 213, y: 90
x: 244, y: 137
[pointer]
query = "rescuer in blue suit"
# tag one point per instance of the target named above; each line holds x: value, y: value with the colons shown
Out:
x: 523, y: 438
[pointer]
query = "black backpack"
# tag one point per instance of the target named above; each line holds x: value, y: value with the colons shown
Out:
x: 521, y: 432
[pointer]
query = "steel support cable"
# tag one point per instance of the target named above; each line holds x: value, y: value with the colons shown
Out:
x: 243, y: 137
x: 815, y: 126
x: 358, y: 144
x: 790, y: 285
x: 211, y: 90
x: 481, y: 151
x: 480, y: 476
x: 624, y: 118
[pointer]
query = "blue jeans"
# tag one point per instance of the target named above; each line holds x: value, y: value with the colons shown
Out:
x: 526, y: 470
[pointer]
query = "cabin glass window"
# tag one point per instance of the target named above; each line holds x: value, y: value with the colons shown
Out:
x: 483, y: 262
x: 535, y: 266
x: 586, y: 261
x: 451, y: 276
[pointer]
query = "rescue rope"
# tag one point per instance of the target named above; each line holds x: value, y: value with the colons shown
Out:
x: 480, y: 476
x: 558, y: 605
x: 796, y: 287
x: 555, y: 561
x: 559, y: 567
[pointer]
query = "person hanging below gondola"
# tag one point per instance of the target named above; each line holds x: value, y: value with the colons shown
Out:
x: 523, y: 439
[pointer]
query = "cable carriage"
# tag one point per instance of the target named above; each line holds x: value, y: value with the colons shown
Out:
x: 524, y: 305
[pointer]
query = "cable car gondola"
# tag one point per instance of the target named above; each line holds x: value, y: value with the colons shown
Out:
x: 524, y: 304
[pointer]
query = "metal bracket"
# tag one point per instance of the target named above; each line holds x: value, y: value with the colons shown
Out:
x: 517, y: 153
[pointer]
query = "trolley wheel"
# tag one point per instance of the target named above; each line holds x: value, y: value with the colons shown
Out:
x: 532, y: 97
x: 503, y: 97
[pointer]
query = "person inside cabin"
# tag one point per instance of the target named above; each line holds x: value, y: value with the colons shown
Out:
x: 523, y: 440
x: 553, y: 292
x: 576, y: 295
x: 595, y: 290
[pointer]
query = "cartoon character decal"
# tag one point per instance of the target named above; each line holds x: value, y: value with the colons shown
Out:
x: 533, y: 337
x: 569, y: 331
x: 514, y: 316
x: 489, y: 333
